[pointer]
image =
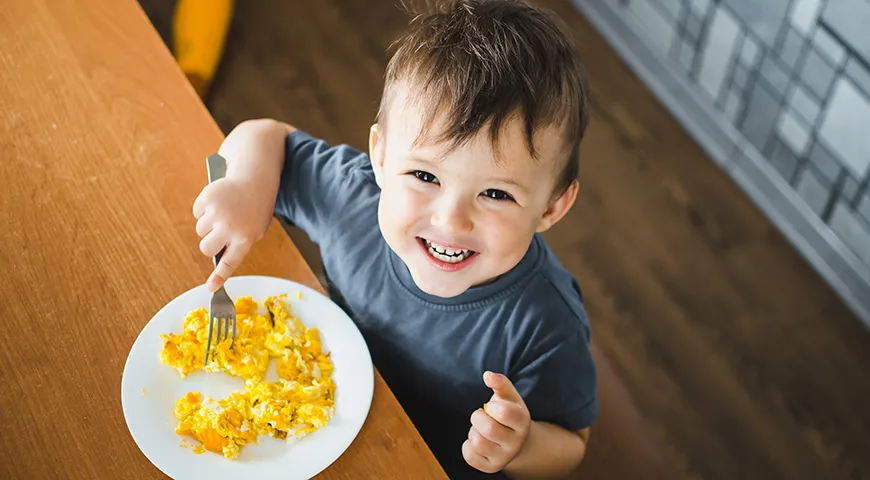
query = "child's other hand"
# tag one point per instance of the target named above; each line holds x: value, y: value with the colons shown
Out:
x: 234, y: 213
x: 499, y: 430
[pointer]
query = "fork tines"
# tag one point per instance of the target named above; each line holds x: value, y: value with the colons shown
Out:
x: 223, y: 332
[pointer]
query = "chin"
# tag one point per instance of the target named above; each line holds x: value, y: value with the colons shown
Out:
x: 438, y: 289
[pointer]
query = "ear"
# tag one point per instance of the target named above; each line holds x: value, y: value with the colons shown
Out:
x: 558, y: 207
x: 376, y: 153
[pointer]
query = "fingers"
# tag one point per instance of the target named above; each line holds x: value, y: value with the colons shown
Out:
x: 511, y: 415
x: 224, y: 221
x: 490, y: 429
x: 204, y: 225
x: 476, y: 460
x: 212, y: 243
x: 483, y: 446
x: 235, y: 252
x: 502, y: 387
x: 228, y: 264
x: 199, y: 204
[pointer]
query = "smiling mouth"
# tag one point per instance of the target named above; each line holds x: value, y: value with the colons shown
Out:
x: 445, y: 254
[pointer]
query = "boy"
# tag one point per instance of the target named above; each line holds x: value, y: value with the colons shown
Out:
x: 431, y: 242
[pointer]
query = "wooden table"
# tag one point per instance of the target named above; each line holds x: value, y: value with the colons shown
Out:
x: 103, y: 145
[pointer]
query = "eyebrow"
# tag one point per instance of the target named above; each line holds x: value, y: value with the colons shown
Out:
x: 418, y: 158
x: 510, y: 182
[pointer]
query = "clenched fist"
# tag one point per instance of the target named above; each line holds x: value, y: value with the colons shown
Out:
x: 499, y: 430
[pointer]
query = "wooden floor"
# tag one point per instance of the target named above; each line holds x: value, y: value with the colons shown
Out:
x: 722, y: 353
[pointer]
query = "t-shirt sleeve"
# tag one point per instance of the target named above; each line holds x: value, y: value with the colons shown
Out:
x: 559, y: 385
x: 318, y: 183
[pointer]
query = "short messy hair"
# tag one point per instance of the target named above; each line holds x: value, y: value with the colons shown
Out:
x: 481, y: 63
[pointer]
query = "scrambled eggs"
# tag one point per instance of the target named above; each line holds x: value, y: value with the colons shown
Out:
x: 300, y: 402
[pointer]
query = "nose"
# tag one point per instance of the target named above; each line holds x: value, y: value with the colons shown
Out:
x: 452, y: 217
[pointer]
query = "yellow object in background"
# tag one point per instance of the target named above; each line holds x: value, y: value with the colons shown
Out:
x: 199, y: 30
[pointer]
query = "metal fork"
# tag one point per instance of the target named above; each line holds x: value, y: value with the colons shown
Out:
x: 221, y: 310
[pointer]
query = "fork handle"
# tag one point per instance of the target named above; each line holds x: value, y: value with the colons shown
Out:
x: 216, y: 166
x: 217, y: 169
x: 217, y: 258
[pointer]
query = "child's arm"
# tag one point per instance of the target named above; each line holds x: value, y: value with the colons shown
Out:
x: 504, y: 438
x: 235, y: 211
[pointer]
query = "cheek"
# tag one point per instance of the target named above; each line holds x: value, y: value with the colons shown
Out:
x: 515, y: 233
x: 402, y: 206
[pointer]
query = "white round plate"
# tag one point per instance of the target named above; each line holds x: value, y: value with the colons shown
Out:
x: 149, y: 412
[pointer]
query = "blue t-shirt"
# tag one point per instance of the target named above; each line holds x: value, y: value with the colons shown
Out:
x: 529, y: 324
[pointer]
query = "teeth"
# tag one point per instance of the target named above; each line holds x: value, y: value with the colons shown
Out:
x: 448, y: 258
x: 447, y: 255
x: 445, y: 250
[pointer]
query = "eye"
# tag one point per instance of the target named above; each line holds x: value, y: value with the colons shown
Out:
x: 425, y: 176
x: 497, y: 194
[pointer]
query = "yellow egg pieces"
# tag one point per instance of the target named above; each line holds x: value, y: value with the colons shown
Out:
x: 300, y: 402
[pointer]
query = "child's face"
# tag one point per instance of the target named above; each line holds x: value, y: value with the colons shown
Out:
x: 464, y: 217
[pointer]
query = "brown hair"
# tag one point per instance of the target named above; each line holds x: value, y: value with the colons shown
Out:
x: 484, y: 62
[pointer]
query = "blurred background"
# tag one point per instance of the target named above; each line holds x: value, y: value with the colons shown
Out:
x: 722, y: 233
